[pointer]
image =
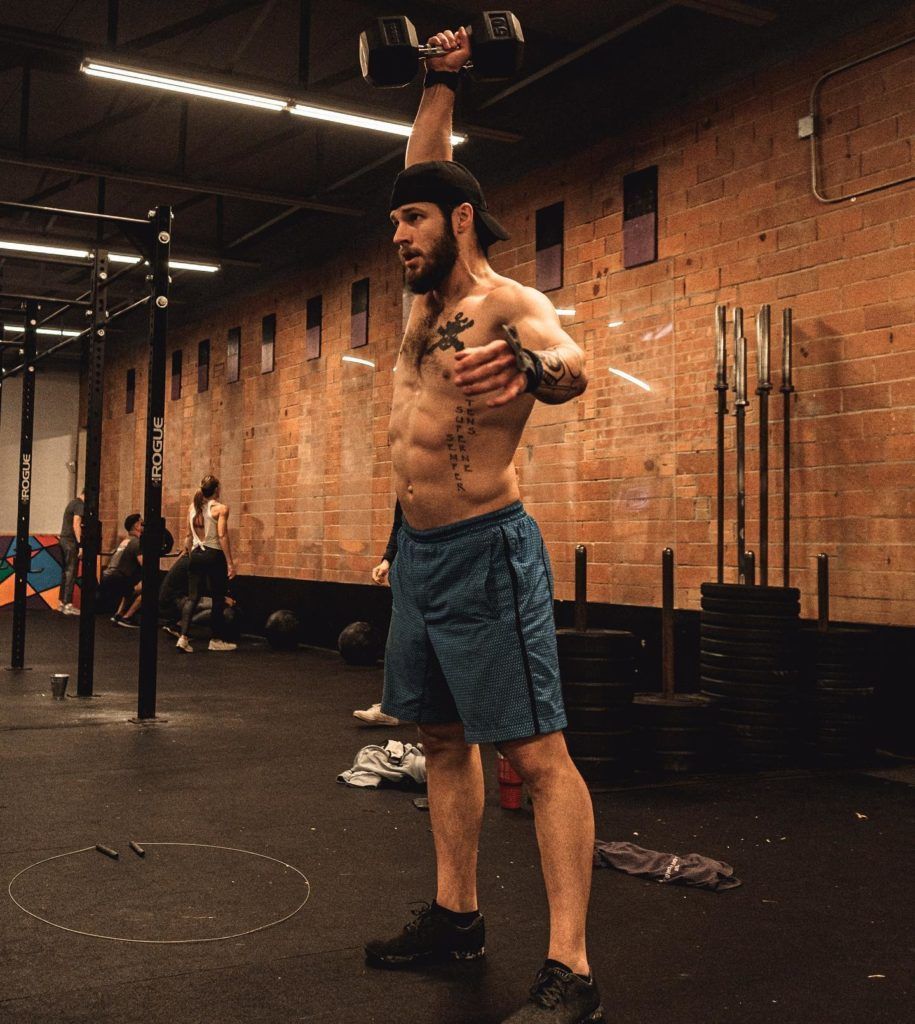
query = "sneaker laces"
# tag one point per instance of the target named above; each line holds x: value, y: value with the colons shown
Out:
x: 549, y: 988
x: 422, y: 915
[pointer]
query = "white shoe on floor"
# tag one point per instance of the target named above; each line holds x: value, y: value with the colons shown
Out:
x: 221, y: 645
x: 375, y: 716
x: 70, y: 609
x: 184, y: 645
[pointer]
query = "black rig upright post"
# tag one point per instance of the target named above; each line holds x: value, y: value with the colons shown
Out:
x: 91, y: 534
x: 151, y: 543
x: 23, y: 552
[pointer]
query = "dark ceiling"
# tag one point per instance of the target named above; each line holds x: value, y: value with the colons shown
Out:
x: 261, y: 191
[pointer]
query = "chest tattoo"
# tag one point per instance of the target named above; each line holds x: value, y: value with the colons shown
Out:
x: 448, y: 335
x: 421, y: 345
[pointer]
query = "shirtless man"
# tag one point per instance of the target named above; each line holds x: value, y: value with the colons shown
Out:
x: 471, y: 654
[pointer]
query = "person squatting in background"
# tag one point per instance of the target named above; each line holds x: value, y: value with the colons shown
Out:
x: 210, y: 564
x: 121, y: 581
x: 173, y: 593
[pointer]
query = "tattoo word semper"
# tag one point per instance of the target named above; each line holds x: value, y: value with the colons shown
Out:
x: 457, y: 443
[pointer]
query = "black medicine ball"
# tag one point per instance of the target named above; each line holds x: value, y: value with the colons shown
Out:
x: 360, y: 644
x: 282, y: 630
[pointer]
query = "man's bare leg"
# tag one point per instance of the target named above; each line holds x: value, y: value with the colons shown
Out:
x: 564, y: 820
x: 134, y: 607
x: 454, y: 780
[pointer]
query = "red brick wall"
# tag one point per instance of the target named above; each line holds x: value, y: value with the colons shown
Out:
x: 302, y: 452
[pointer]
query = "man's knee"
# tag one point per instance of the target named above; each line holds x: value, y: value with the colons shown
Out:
x: 444, y: 739
x: 538, y: 758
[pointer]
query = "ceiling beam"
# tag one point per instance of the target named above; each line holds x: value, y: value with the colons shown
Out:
x: 724, y: 8
x: 570, y: 58
x: 179, y: 184
x: 732, y: 10
x: 180, y: 28
x: 393, y: 154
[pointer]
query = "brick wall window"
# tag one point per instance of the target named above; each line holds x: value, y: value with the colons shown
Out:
x: 176, y: 373
x: 549, y: 239
x: 131, y: 391
x: 359, y: 314
x: 640, y: 217
x: 314, y: 313
x: 233, y: 355
x: 268, y: 342
x: 203, y: 365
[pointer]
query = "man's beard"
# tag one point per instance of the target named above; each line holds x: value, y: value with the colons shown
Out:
x: 437, y: 265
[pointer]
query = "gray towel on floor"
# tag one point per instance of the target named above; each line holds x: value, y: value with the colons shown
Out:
x: 394, y: 762
x: 693, y: 869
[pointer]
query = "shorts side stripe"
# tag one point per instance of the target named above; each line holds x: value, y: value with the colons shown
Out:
x: 518, y: 626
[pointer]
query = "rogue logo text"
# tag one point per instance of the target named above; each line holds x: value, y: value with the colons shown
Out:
x: 158, y: 433
x: 25, y: 477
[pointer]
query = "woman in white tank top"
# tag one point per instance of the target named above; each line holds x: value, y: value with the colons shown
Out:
x: 210, y: 566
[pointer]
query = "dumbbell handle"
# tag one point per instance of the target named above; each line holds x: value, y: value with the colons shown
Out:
x: 425, y: 51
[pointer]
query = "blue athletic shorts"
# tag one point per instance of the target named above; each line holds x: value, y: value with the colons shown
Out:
x: 472, y: 635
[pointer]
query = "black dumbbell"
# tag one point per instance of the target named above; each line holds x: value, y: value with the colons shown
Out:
x: 389, y: 51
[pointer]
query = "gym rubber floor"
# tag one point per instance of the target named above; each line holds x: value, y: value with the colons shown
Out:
x: 819, y: 933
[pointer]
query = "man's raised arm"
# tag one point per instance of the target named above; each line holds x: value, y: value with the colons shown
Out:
x: 431, y: 138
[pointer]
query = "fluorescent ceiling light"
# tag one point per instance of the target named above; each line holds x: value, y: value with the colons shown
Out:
x: 44, y: 250
x: 629, y: 377
x: 54, y: 332
x: 155, y: 81
x: 615, y: 323
x: 353, y: 359
x: 565, y: 312
x: 84, y: 254
x: 356, y: 121
x: 206, y: 268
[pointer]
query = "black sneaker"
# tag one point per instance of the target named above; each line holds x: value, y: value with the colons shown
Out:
x: 430, y: 938
x: 127, y: 623
x: 560, y: 997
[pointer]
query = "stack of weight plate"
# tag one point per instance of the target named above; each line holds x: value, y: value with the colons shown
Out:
x: 749, y: 660
x: 840, y: 704
x: 598, y: 668
x: 676, y: 733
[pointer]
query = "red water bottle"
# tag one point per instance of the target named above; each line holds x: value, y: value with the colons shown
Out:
x: 509, y: 784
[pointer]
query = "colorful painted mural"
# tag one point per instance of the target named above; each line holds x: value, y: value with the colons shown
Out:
x: 45, y: 571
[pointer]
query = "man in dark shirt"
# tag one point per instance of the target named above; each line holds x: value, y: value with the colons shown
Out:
x: 71, y: 534
x: 121, y: 579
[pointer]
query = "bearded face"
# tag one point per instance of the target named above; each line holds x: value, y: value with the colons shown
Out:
x: 429, y: 257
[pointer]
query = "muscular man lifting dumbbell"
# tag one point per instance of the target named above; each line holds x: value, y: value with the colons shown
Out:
x: 471, y: 653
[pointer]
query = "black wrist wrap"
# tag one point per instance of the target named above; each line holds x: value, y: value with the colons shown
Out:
x: 450, y: 78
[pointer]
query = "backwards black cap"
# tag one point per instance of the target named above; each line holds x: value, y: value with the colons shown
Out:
x: 448, y: 183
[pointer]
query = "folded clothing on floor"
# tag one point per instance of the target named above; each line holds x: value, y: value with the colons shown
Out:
x: 394, y: 762
x: 693, y: 869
